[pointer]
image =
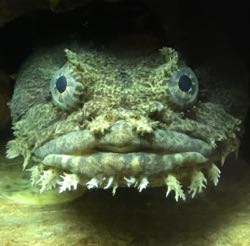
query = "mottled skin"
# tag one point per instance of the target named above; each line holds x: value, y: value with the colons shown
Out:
x: 121, y: 126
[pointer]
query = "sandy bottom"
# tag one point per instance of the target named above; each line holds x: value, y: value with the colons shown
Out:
x: 220, y: 216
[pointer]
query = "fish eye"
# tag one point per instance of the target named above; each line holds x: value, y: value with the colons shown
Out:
x: 61, y: 84
x: 66, y: 91
x: 183, y: 86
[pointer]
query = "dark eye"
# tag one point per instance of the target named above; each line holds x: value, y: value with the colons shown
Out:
x: 185, y: 83
x: 183, y: 86
x: 66, y: 91
x: 61, y: 84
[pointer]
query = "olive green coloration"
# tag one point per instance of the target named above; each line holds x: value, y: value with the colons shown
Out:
x: 98, y: 118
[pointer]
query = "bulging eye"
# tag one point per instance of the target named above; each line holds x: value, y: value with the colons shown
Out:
x: 66, y: 88
x: 61, y: 84
x: 183, y: 86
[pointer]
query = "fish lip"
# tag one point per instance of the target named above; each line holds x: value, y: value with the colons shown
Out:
x: 161, y: 141
x: 81, y: 152
x: 124, y: 164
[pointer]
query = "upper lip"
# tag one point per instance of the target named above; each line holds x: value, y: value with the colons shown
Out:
x: 160, y: 141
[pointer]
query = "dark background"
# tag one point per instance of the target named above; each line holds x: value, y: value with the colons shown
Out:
x: 183, y: 24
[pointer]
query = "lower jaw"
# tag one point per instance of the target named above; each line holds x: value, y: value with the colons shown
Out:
x: 125, y: 164
x: 190, y: 170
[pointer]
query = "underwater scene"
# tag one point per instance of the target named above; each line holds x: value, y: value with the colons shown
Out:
x: 121, y: 124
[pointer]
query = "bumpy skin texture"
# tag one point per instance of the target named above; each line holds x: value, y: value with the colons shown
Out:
x: 120, y: 127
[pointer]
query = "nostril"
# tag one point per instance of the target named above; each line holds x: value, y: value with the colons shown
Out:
x: 82, y: 122
x: 155, y: 116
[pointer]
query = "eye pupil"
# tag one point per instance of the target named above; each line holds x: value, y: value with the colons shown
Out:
x: 61, y: 84
x: 185, y: 83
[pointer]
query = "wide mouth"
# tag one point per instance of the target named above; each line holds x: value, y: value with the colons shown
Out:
x: 120, y: 157
x: 116, y: 154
